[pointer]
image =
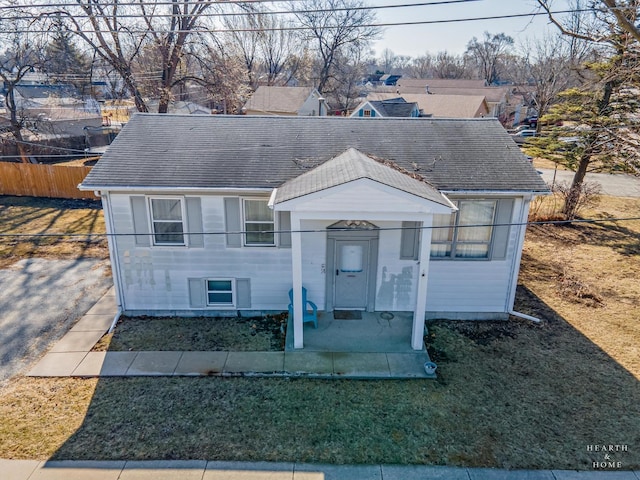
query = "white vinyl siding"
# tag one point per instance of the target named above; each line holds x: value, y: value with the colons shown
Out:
x: 173, y: 279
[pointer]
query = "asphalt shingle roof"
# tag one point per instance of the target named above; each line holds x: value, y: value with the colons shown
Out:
x: 350, y: 166
x: 218, y: 151
x: 393, y: 109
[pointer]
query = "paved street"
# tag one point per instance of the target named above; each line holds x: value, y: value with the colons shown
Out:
x: 617, y: 185
x: 39, y: 300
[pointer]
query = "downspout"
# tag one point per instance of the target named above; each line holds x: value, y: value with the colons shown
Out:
x: 115, y: 266
x: 515, y: 266
x: 525, y: 316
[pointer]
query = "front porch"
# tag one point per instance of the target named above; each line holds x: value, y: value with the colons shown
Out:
x: 375, y: 332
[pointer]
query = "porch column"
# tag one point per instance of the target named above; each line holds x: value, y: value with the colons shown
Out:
x: 296, y: 266
x: 423, y: 277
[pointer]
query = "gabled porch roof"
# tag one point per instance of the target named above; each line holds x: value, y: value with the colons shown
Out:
x: 353, y: 165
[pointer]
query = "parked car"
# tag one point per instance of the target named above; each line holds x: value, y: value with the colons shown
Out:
x: 523, y: 135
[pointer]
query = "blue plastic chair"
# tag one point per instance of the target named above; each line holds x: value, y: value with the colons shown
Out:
x: 308, y: 316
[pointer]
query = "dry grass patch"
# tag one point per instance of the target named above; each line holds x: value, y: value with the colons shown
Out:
x: 589, y: 274
x: 30, y: 215
x: 39, y: 415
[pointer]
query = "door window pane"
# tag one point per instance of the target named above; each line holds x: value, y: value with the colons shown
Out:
x: 351, y: 258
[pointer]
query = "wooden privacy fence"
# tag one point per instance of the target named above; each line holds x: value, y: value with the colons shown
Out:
x: 31, y: 180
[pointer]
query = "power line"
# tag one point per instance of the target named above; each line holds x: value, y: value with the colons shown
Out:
x: 327, y: 27
x: 324, y: 230
x: 251, y: 13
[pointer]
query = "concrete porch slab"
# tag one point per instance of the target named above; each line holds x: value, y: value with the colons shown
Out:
x: 361, y: 364
x: 373, y: 333
x: 18, y: 469
x: 154, y: 363
x: 98, y: 322
x: 78, y: 470
x: 201, y: 363
x: 248, y: 471
x: 163, y: 470
x: 320, y: 363
x: 254, y: 362
x: 77, y: 341
x: 57, y: 364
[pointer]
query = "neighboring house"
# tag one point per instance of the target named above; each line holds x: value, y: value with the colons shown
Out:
x: 220, y: 215
x: 392, y: 107
x: 300, y: 101
x: 442, y: 106
x: 389, y: 79
x: 499, y: 99
x: 180, y: 107
x: 423, y: 83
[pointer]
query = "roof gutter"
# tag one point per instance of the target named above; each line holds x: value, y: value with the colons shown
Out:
x: 120, y: 188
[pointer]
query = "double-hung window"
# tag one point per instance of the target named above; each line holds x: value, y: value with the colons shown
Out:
x: 259, y: 223
x: 167, y: 220
x: 221, y: 292
x: 465, y: 234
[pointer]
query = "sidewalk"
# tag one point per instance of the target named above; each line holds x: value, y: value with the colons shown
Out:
x: 203, y: 470
x: 72, y: 356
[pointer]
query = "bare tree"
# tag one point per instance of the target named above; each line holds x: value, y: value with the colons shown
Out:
x: 548, y: 67
x: 604, y: 108
x: 422, y: 66
x: 350, y: 69
x: 20, y: 57
x: 334, y: 25
x: 447, y: 65
x: 119, y: 32
x: 245, y: 32
x: 488, y: 54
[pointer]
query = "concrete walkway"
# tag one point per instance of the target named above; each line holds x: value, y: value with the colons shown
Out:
x: 203, y: 470
x: 72, y: 356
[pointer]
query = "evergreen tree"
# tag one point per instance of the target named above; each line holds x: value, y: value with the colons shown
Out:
x: 64, y: 62
x: 595, y: 127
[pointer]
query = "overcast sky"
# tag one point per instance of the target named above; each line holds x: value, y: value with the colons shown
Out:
x: 415, y: 40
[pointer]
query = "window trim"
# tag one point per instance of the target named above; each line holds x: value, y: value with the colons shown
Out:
x: 233, y: 292
x: 366, y: 112
x: 183, y: 220
x: 455, y: 229
x: 243, y: 201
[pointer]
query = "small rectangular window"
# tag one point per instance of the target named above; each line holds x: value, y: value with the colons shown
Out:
x: 367, y: 113
x: 167, y: 221
x: 259, y: 223
x: 220, y: 292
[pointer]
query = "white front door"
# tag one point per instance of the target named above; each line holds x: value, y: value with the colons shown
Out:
x: 351, y: 274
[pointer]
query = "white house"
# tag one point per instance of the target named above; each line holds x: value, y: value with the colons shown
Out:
x: 225, y: 214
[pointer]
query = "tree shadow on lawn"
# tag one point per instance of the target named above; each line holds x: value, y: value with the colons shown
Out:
x: 509, y: 395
